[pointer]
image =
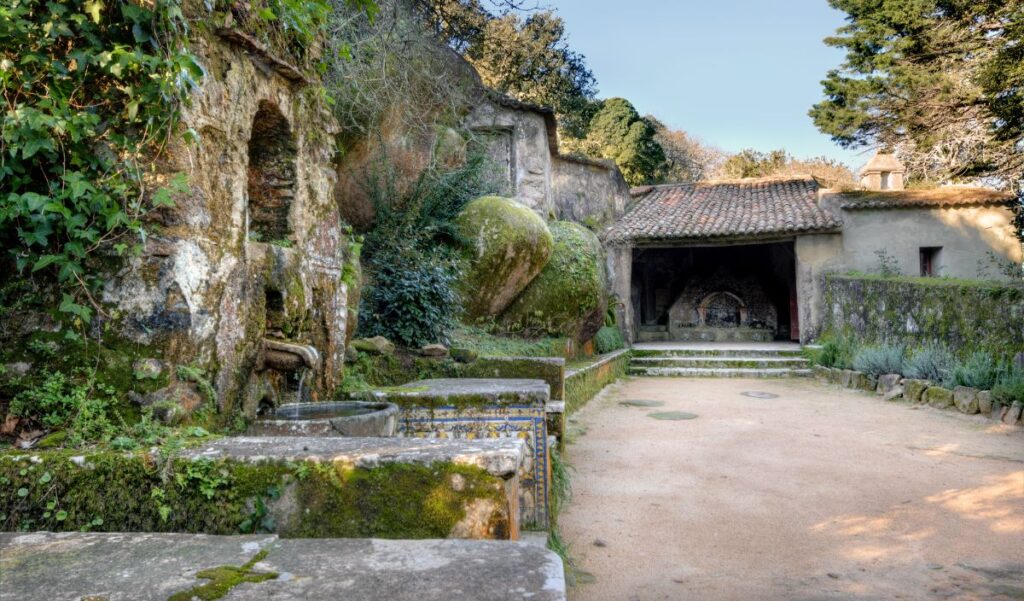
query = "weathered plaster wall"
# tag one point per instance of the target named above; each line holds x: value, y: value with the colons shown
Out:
x: 963, y: 316
x: 815, y: 255
x: 619, y: 262
x: 586, y: 191
x: 966, y: 235
x: 199, y: 290
x: 517, y: 140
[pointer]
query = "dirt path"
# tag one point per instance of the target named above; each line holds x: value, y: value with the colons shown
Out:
x: 819, y: 493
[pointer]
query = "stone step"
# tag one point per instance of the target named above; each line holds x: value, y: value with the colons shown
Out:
x: 701, y: 372
x: 739, y: 351
x: 721, y: 362
x: 652, y: 336
x: 47, y: 566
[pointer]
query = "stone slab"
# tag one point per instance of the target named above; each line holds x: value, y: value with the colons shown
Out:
x: 153, y: 567
x: 457, y: 391
x: 550, y: 369
x: 501, y: 457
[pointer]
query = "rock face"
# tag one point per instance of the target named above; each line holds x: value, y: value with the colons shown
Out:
x: 913, y: 390
x: 966, y: 399
x: 939, y: 397
x: 568, y: 297
x: 509, y: 246
x: 255, y: 247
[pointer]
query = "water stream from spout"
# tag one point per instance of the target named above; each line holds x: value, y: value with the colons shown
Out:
x: 302, y: 380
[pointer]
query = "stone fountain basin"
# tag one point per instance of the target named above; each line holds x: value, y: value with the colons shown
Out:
x: 340, y: 418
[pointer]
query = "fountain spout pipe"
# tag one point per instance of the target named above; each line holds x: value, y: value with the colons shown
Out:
x: 288, y: 356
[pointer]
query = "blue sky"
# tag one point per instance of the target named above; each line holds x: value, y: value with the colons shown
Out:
x: 735, y: 73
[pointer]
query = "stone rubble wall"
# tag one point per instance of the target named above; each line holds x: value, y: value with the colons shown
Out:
x: 960, y: 314
x: 198, y: 293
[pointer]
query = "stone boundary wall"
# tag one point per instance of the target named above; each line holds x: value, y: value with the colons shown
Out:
x: 963, y: 315
x: 894, y: 387
x: 584, y: 383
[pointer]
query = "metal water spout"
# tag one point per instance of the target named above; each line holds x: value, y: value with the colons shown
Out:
x: 289, y: 356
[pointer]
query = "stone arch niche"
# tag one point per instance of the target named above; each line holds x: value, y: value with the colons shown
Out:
x: 723, y: 307
x: 271, y: 176
x: 722, y: 310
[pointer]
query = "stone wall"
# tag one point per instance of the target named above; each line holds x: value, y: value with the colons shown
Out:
x: 586, y: 191
x: 255, y: 248
x: 963, y: 315
x: 584, y: 383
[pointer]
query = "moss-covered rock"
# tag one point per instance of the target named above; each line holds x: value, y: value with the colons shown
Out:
x: 508, y: 246
x: 568, y: 297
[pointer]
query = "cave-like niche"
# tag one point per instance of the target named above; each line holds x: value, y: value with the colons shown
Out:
x: 271, y: 175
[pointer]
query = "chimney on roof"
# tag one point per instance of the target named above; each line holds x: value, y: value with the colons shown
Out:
x: 883, y: 172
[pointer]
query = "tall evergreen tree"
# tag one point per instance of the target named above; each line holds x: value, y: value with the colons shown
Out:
x: 939, y: 81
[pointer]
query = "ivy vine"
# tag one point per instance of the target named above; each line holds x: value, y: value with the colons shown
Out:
x: 91, y: 92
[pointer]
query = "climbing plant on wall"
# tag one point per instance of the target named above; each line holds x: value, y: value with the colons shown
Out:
x: 91, y: 92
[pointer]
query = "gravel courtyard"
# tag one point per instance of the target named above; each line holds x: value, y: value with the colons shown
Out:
x: 819, y: 493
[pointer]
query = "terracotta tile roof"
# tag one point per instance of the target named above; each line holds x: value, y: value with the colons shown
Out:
x: 952, y: 196
x: 727, y: 208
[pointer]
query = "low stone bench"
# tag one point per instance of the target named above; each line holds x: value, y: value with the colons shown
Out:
x: 175, y: 567
x: 481, y: 409
x: 292, y: 486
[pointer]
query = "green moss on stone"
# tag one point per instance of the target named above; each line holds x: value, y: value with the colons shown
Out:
x: 136, y: 492
x: 223, y: 579
x: 584, y: 384
x: 508, y: 246
x: 568, y: 297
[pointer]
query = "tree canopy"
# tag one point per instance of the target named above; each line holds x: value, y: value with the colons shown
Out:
x: 618, y: 132
x: 940, y: 82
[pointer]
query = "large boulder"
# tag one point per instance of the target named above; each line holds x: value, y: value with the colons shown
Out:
x: 568, y: 297
x: 508, y: 246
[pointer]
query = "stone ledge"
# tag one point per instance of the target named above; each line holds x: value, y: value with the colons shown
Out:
x: 499, y: 457
x: 153, y: 567
x: 477, y: 392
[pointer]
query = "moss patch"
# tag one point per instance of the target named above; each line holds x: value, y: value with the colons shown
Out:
x: 508, y: 246
x: 568, y: 297
x: 223, y: 579
x: 139, y: 492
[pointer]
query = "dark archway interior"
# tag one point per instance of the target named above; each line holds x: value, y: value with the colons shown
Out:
x: 271, y: 175
x: 751, y: 284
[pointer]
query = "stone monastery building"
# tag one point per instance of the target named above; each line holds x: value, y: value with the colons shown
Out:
x: 744, y: 259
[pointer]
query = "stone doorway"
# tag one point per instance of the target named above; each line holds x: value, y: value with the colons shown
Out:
x: 740, y: 292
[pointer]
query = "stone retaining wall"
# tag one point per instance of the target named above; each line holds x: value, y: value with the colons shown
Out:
x: 583, y: 384
x: 893, y: 387
x: 295, y: 487
x: 963, y: 315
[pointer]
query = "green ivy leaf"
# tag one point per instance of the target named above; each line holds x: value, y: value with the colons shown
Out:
x: 45, y: 478
x: 22, y: 492
x: 93, y: 9
x: 61, y: 515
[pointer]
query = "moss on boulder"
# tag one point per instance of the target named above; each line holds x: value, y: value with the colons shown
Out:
x: 568, y: 297
x: 508, y: 246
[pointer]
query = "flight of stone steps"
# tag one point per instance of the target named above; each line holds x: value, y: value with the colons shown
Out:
x: 719, y: 361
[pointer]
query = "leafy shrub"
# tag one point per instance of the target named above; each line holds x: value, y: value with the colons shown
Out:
x: 608, y: 339
x: 879, y: 360
x: 933, y: 363
x: 92, y: 92
x: 835, y: 352
x: 410, y: 253
x: 411, y: 300
x: 1010, y: 387
x: 78, y: 403
x: 980, y: 371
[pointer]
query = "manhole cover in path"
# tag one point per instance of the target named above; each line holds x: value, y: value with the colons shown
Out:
x: 760, y: 395
x: 673, y: 416
x: 641, y: 403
